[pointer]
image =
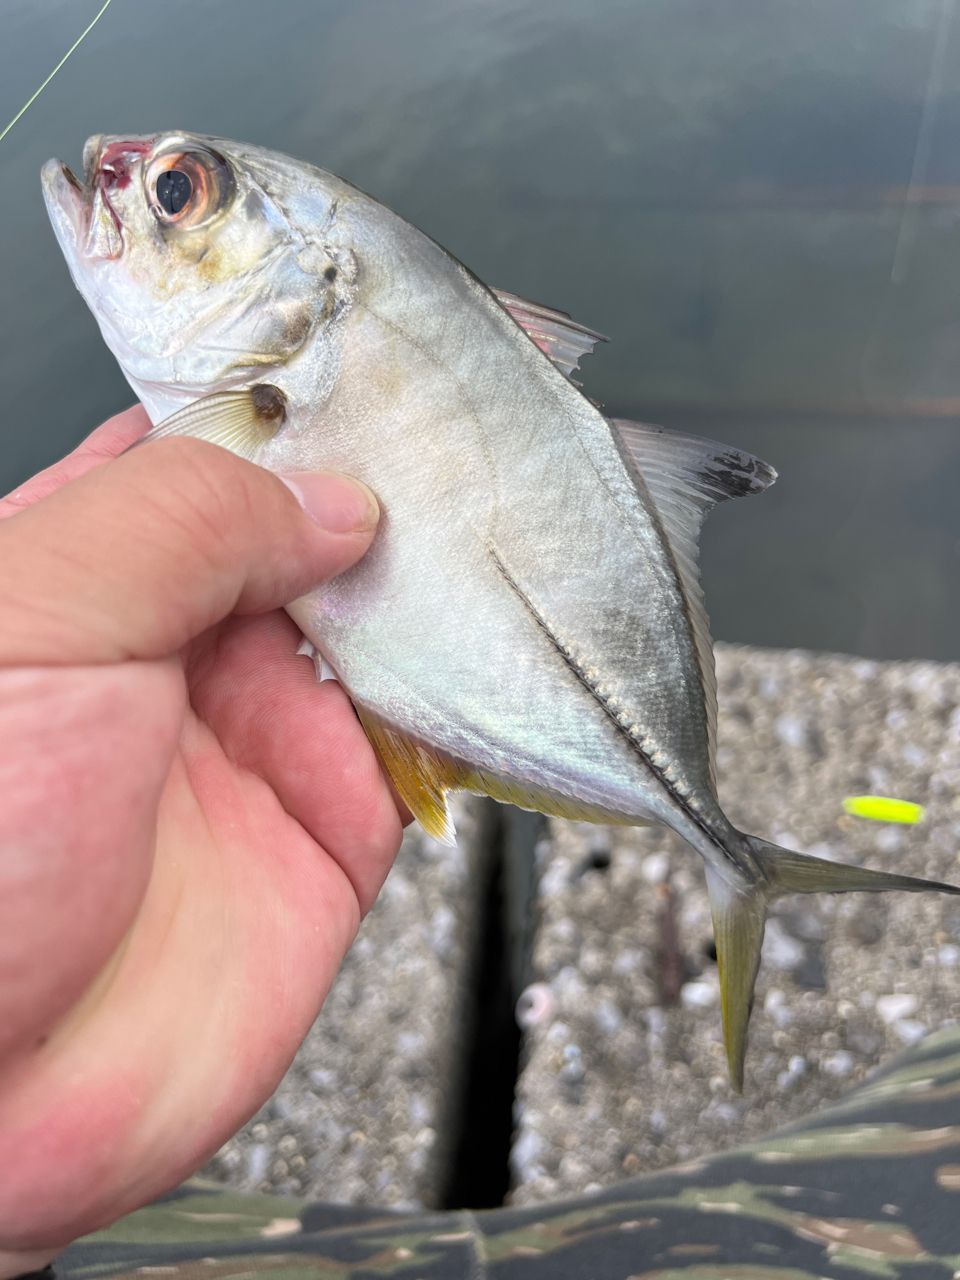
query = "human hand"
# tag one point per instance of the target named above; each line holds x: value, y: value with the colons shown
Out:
x: 191, y: 827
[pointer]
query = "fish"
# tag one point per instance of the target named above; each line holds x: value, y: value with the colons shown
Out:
x: 529, y: 623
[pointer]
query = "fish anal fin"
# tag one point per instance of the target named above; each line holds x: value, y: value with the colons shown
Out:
x: 526, y: 795
x: 558, y: 336
x: 421, y: 775
x: 739, y: 916
x: 241, y: 421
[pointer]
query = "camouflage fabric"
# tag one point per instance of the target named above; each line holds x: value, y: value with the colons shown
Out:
x: 867, y: 1188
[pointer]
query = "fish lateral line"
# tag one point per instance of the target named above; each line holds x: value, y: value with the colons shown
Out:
x: 679, y: 478
x: 624, y: 725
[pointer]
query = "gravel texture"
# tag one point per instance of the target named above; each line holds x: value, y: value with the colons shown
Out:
x: 360, y: 1116
x: 616, y: 1079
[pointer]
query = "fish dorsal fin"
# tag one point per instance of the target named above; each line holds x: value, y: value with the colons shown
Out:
x: 686, y: 476
x: 421, y: 775
x: 241, y: 421
x: 557, y: 336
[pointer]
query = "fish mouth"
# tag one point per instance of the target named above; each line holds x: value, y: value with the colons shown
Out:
x: 67, y: 201
x: 85, y: 219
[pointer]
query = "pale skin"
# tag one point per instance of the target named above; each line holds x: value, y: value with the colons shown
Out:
x: 191, y: 827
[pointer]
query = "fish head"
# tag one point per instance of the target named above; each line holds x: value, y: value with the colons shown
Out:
x: 203, y: 261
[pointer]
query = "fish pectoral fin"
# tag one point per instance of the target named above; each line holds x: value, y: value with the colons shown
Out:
x: 421, y: 775
x: 558, y: 336
x: 739, y: 916
x: 241, y: 421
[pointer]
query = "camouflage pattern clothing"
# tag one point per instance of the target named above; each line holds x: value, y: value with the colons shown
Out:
x: 867, y: 1188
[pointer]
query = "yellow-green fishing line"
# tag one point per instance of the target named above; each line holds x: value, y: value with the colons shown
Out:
x: 76, y: 45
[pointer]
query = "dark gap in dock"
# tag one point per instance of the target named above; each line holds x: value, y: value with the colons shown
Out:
x: 480, y: 1112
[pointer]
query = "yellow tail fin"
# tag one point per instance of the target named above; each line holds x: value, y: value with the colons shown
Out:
x: 739, y: 914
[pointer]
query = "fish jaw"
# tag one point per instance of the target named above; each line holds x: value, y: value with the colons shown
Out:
x: 67, y: 207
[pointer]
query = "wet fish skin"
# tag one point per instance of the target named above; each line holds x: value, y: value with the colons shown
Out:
x: 529, y: 622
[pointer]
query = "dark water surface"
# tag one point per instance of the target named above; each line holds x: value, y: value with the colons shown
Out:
x: 758, y: 200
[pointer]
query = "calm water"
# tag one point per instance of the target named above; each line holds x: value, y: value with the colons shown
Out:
x: 758, y: 200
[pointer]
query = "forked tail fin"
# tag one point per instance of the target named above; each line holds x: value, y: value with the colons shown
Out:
x: 739, y: 915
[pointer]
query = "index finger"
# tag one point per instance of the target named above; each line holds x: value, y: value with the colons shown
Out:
x: 110, y: 439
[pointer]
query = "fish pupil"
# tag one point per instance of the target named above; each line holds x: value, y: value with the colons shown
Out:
x: 174, y: 189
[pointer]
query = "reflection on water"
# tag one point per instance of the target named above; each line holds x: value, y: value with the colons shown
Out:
x: 757, y: 199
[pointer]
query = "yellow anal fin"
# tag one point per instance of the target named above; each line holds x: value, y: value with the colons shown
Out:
x: 541, y: 799
x: 423, y: 775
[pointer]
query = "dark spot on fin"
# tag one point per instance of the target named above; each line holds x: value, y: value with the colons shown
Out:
x: 241, y: 421
x: 704, y: 471
x: 269, y: 402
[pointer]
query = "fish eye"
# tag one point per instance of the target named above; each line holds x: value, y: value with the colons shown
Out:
x: 186, y: 188
x: 174, y: 189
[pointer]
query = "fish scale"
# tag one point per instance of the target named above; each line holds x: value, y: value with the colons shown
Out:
x: 529, y: 623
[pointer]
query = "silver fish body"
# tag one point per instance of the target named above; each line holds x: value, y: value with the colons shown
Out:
x: 505, y: 497
x: 529, y: 621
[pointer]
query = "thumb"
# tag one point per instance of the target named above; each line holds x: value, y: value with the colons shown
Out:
x: 137, y: 557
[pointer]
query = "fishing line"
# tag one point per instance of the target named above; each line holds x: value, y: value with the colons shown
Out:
x: 907, y: 232
x: 871, y: 362
x: 76, y: 45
